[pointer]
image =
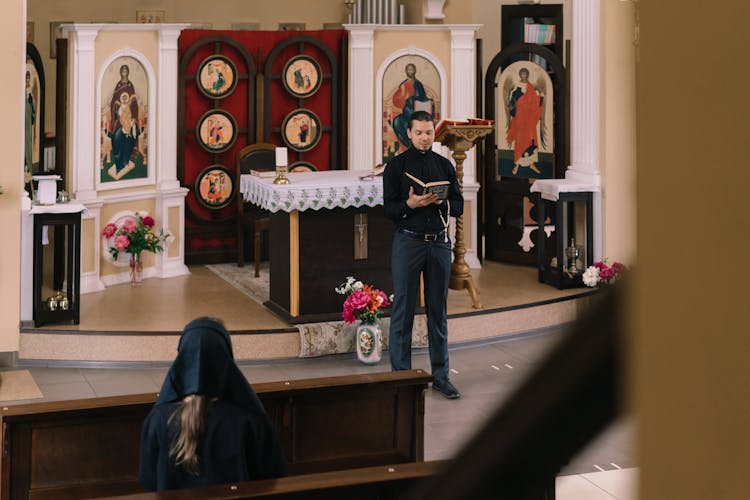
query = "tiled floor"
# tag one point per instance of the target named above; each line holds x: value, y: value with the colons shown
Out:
x: 486, y: 375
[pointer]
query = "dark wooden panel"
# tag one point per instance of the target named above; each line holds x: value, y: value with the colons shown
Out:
x: 90, y: 447
x: 390, y: 482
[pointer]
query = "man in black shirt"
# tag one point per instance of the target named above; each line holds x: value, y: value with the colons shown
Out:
x: 421, y: 245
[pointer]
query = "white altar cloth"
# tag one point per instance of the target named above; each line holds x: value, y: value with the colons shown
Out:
x: 312, y: 190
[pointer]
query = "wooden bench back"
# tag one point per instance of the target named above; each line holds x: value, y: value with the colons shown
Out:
x: 90, y: 447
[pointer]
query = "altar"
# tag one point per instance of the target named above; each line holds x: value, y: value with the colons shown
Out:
x: 325, y: 226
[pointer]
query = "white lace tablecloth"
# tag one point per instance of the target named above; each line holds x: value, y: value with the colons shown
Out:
x: 313, y: 190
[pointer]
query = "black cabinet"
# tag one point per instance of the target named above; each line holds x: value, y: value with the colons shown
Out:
x: 57, y: 273
x: 554, y: 267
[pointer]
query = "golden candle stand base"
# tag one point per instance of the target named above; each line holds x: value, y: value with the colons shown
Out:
x: 281, y: 177
x: 459, y: 139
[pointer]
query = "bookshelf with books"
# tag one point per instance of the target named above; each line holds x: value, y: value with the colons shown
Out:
x: 538, y: 24
x: 534, y: 34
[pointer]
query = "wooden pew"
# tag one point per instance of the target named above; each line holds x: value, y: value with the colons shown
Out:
x: 382, y: 482
x: 89, y: 447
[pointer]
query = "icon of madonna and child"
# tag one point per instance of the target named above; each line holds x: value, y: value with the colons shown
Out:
x: 124, y: 116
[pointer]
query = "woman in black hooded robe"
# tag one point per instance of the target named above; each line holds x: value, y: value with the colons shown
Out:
x: 207, y: 425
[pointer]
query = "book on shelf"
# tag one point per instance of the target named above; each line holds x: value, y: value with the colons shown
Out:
x: 263, y: 173
x: 440, y: 188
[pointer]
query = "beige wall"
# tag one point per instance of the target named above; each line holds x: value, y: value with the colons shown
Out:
x: 268, y: 14
x: 618, y: 131
x: 12, y: 59
x: 692, y: 339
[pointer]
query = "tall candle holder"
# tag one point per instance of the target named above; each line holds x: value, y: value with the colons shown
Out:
x: 460, y: 139
x: 281, y: 167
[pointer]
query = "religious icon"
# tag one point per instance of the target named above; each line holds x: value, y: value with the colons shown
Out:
x: 33, y: 118
x: 214, y: 187
x: 216, y: 77
x: 216, y: 131
x: 410, y: 83
x: 124, y: 121
x: 525, y: 122
x: 301, y: 130
x: 301, y: 76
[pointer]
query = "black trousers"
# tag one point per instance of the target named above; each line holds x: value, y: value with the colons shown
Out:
x: 410, y: 258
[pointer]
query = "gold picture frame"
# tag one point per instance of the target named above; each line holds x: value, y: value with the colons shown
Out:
x: 216, y: 76
x: 216, y: 131
x: 301, y: 130
x: 301, y: 76
x: 214, y: 187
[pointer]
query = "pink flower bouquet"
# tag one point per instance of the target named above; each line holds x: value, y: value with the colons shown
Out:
x: 363, y: 302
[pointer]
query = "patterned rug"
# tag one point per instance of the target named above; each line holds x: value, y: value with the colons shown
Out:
x: 244, y: 280
x: 316, y: 339
x: 18, y: 384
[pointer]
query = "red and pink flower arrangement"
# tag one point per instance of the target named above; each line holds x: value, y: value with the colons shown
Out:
x: 601, y: 273
x: 363, y: 302
x: 134, y: 236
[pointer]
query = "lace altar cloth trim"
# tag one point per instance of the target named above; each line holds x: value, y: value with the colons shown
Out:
x: 312, y: 191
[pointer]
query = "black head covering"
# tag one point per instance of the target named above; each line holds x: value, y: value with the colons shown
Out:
x: 205, y: 365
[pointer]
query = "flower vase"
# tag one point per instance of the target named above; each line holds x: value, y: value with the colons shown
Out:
x: 369, y: 343
x: 136, y: 269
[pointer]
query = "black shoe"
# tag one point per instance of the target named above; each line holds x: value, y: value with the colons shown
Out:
x: 445, y: 388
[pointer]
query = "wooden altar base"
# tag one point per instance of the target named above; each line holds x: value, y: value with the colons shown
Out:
x: 132, y: 326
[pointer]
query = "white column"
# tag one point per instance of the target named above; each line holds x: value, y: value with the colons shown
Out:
x: 463, y: 86
x: 167, y: 110
x: 585, y: 84
x: 361, y: 105
x: 462, y: 105
x: 83, y: 115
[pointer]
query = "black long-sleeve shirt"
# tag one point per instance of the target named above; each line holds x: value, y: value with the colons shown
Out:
x: 429, y: 167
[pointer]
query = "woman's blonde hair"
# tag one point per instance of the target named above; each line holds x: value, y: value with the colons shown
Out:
x: 191, y: 418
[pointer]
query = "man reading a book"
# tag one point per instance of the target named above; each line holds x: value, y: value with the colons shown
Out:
x: 421, y: 245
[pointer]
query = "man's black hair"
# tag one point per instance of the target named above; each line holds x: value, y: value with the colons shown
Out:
x: 420, y: 116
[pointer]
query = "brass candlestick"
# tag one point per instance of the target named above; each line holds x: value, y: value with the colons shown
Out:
x: 460, y: 139
x: 281, y: 177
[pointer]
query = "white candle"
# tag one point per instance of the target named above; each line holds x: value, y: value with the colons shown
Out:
x: 281, y: 160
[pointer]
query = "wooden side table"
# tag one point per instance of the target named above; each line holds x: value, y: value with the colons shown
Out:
x: 57, y: 273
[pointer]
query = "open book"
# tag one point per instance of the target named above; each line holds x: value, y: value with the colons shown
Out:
x: 454, y: 121
x: 377, y: 171
x: 440, y: 188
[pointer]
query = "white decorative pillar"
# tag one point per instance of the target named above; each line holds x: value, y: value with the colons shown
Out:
x: 170, y: 196
x: 463, y: 105
x: 361, y: 92
x: 83, y: 115
x: 83, y: 146
x: 167, y: 111
x: 585, y: 84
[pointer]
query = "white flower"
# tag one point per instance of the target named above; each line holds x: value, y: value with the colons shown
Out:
x: 357, y: 285
x: 168, y: 237
x: 591, y: 276
x: 347, y: 287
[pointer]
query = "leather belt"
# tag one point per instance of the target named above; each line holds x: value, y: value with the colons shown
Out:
x: 421, y: 236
